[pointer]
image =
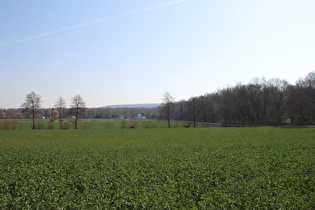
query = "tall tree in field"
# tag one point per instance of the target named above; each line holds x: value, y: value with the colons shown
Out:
x: 32, y: 104
x: 78, y: 106
x: 60, y: 106
x: 168, y: 106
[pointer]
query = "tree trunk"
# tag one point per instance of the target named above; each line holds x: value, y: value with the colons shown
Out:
x: 168, y: 116
x: 75, y: 122
x: 60, y: 117
x: 76, y: 118
x: 33, y: 120
x: 60, y: 121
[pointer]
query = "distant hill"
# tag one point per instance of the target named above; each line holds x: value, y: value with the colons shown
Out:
x: 133, y: 106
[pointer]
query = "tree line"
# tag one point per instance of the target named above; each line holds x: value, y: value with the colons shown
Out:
x: 261, y: 102
x: 32, y: 107
x: 88, y: 113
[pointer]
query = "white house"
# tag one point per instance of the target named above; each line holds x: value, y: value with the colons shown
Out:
x: 140, y: 117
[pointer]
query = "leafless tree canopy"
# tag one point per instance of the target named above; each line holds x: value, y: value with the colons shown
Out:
x: 193, y: 109
x: 32, y: 104
x: 168, y: 107
x: 61, y: 107
x: 261, y: 102
x: 78, y: 107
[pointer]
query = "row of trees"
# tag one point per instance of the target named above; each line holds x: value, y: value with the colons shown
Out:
x: 261, y: 102
x: 33, y: 101
x: 89, y: 113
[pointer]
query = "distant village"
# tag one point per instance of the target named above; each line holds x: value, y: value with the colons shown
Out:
x: 89, y: 113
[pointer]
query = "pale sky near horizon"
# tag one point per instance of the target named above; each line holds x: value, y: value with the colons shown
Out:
x: 130, y: 52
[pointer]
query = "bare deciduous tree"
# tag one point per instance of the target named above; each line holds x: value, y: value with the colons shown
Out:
x: 78, y: 106
x: 60, y: 106
x: 168, y: 106
x: 31, y: 105
x: 225, y: 105
x: 193, y: 109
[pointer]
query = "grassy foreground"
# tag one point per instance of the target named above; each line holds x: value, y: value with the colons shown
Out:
x: 158, y: 168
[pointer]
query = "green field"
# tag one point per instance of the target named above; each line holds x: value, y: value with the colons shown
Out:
x: 19, y: 124
x: 201, y: 168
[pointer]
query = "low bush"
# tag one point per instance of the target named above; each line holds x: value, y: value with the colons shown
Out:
x: 123, y: 124
x: 132, y: 123
x: 66, y: 125
x: 187, y: 125
x: 149, y: 124
x: 10, y: 125
x: 84, y: 125
x: 108, y: 125
x: 50, y: 125
x: 40, y: 124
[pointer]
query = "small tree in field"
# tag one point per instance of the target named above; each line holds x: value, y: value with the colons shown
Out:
x: 78, y: 106
x: 54, y: 115
x: 31, y: 105
x: 168, y: 107
x: 60, y: 106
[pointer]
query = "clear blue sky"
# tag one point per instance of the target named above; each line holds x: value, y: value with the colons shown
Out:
x: 125, y: 52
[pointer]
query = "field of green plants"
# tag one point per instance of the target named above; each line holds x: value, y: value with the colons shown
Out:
x: 89, y: 124
x: 201, y: 168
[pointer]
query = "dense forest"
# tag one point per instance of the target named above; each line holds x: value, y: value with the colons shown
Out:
x: 261, y: 102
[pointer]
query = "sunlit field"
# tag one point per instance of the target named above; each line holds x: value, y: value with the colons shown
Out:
x: 17, y: 124
x: 202, y: 168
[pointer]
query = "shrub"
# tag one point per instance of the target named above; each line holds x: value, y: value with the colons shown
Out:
x: 187, y: 125
x: 132, y: 124
x: 123, y: 124
x: 40, y: 125
x: 85, y: 125
x: 108, y: 125
x: 17, y: 126
x: 65, y: 125
x: 174, y: 125
x: 5, y: 126
x: 10, y: 126
x: 148, y: 124
x: 50, y: 125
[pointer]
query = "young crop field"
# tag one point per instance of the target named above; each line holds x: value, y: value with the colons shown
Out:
x: 200, y: 168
